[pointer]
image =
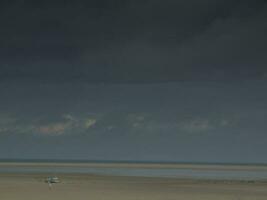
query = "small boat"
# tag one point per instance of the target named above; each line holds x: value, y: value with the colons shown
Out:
x: 52, y: 179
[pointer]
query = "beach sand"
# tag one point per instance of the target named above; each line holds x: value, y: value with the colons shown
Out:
x: 82, y: 187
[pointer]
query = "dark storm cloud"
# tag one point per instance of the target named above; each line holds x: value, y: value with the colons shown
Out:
x: 189, y: 121
x: 149, y: 110
x: 133, y: 41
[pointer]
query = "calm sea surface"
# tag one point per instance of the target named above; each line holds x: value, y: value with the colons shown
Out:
x: 195, y: 173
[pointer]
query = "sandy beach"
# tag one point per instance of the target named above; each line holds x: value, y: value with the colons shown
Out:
x: 81, y: 187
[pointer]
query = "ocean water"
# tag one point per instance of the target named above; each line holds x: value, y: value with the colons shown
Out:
x: 211, y: 173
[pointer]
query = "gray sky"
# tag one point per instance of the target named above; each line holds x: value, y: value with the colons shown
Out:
x: 134, y: 80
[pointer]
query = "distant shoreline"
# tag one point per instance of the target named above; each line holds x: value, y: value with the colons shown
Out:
x: 6, y: 160
x: 216, y: 172
x: 201, y: 166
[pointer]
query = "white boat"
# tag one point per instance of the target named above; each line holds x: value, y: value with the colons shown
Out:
x: 52, y: 179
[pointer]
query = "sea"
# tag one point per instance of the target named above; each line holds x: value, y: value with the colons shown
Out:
x: 216, y: 171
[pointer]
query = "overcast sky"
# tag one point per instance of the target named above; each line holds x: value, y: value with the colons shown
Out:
x: 134, y: 80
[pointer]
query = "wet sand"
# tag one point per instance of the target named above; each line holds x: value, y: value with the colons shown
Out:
x: 82, y: 187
